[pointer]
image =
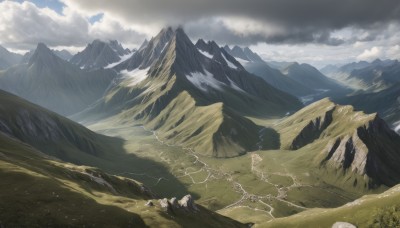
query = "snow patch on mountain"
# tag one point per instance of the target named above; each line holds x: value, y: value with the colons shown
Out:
x: 206, y: 54
x: 235, y: 87
x: 230, y: 64
x: 397, y: 126
x: 204, y: 80
x: 241, y: 61
x: 135, y: 76
x: 123, y: 58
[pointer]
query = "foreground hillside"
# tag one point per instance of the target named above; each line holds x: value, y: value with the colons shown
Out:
x: 47, y: 191
x: 43, y: 191
x: 380, y: 210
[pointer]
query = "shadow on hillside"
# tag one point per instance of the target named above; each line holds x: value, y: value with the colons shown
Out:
x: 111, y: 157
x: 269, y: 139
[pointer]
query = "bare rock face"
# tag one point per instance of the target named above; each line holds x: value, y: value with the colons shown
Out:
x: 370, y: 151
x: 343, y: 225
x: 188, y: 204
x: 356, y: 149
x: 164, y: 204
x: 174, y: 202
x: 149, y: 203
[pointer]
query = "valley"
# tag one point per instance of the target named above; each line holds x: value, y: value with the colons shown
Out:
x: 266, y: 183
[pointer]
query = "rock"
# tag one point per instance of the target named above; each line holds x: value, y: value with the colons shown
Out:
x: 174, y: 202
x: 149, y: 203
x: 164, y: 204
x: 343, y: 225
x: 187, y: 203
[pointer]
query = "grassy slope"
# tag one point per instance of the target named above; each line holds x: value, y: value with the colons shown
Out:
x: 211, y: 130
x: 380, y: 210
x: 287, y: 181
x: 47, y: 192
x: 379, y: 145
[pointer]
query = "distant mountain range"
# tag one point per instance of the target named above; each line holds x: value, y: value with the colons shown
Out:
x: 8, y: 58
x: 100, y: 54
x: 385, y: 102
x: 54, y: 83
x: 370, y: 77
x: 64, y: 54
x: 301, y: 80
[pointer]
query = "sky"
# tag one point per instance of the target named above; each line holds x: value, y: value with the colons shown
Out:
x: 318, y: 32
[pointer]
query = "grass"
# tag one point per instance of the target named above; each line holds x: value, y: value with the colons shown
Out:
x: 369, y: 211
x: 45, y: 192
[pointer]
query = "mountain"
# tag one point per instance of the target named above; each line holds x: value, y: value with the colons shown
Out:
x: 378, y: 210
x: 279, y: 65
x: 100, y: 54
x: 63, y: 54
x: 255, y: 65
x: 171, y: 75
x: 351, y: 149
x: 8, y: 58
x: 300, y: 80
x: 386, y: 103
x: 330, y: 70
x: 243, y: 53
x: 32, y: 142
x: 309, y: 76
x: 54, y: 83
x: 370, y: 77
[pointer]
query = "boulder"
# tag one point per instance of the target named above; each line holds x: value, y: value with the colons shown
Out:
x: 187, y: 203
x: 343, y: 225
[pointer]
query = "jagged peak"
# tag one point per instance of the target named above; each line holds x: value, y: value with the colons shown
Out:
x: 227, y: 48
x: 200, y: 42
x: 236, y: 47
x: 42, y: 54
x: 187, y: 58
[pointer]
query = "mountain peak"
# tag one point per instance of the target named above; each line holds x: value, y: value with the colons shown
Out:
x: 42, y: 55
x: 187, y: 59
x: 227, y: 48
x: 42, y: 47
x: 99, y: 54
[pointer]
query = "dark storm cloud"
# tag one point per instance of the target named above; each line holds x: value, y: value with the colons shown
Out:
x: 300, y: 21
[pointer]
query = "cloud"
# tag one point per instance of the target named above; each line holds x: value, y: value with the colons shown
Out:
x: 370, y: 54
x: 272, y: 21
x: 23, y: 25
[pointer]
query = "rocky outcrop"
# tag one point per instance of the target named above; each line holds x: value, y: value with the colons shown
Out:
x: 186, y: 204
x: 353, y: 148
x: 372, y: 151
